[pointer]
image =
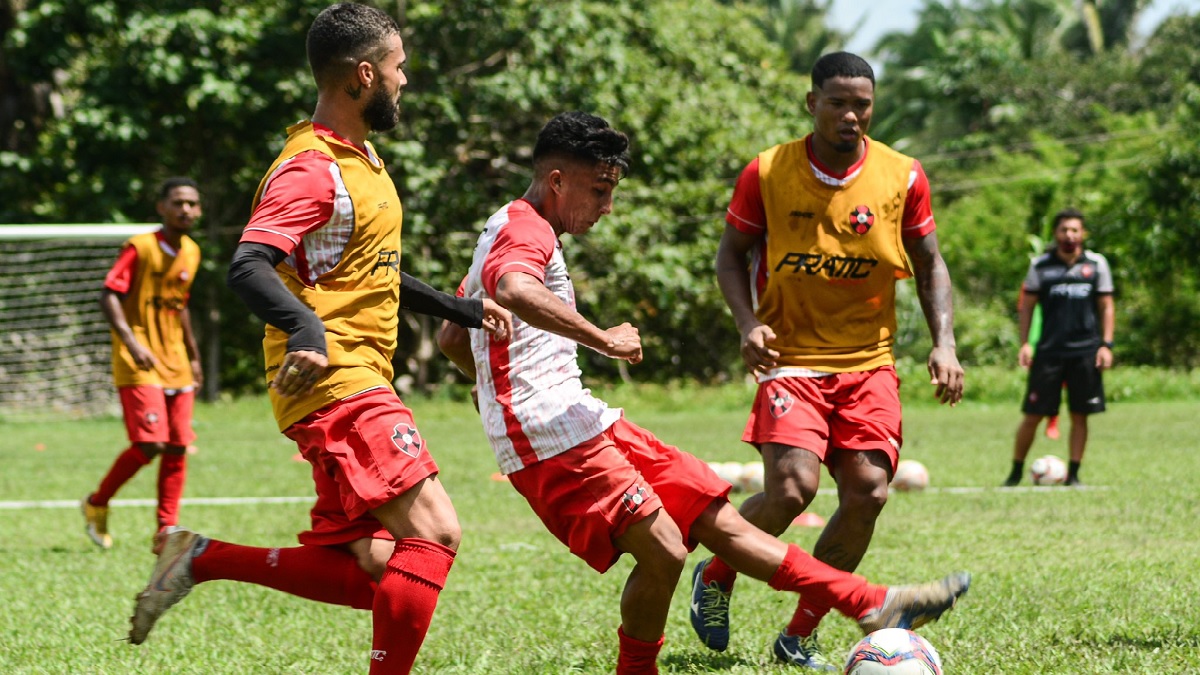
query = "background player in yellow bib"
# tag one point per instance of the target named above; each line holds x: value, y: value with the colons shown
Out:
x: 817, y: 233
x: 155, y: 363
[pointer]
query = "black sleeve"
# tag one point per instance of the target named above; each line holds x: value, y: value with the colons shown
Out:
x: 419, y: 297
x: 252, y: 276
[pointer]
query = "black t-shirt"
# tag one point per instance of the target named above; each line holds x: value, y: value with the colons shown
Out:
x: 1070, y: 325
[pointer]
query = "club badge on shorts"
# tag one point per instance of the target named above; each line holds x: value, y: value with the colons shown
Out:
x: 634, y: 498
x: 407, y: 439
x: 780, y: 403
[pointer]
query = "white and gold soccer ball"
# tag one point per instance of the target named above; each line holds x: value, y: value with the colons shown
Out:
x: 911, y: 476
x: 893, y: 651
x: 1048, y: 470
x: 751, y: 479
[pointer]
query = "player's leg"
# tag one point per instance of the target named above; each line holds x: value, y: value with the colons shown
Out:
x: 1085, y: 396
x: 787, y: 424
x: 172, y: 465
x: 1043, y: 395
x: 145, y: 414
x: 655, y: 543
x: 327, y: 574
x: 786, y: 567
x: 595, y: 499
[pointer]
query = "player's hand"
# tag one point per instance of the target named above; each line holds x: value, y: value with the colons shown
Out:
x: 1025, y: 355
x: 299, y: 372
x: 144, y: 358
x: 1104, y: 358
x: 946, y: 375
x: 756, y: 349
x: 497, y: 320
x: 624, y: 342
x: 197, y: 374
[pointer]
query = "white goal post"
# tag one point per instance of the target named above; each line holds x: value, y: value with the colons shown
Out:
x: 55, y: 350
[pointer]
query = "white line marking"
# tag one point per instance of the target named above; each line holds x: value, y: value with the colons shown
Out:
x: 235, y: 501
x: 206, y: 501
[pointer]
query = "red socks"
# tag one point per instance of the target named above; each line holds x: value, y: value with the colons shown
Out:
x: 320, y: 573
x: 128, y: 463
x: 637, y: 657
x: 720, y: 572
x: 808, y: 615
x: 821, y: 584
x: 172, y: 471
x: 404, y: 603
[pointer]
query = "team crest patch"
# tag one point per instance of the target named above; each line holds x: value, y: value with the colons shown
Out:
x: 861, y: 219
x: 407, y: 439
x: 634, y: 498
x: 780, y: 403
x: 151, y: 418
x: 1086, y: 271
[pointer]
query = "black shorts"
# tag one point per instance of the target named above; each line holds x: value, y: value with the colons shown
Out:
x: 1048, y: 374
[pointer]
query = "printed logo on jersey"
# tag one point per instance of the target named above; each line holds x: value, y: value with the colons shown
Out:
x: 861, y: 219
x: 407, y: 439
x: 634, y: 498
x: 184, y: 276
x: 1086, y: 271
x: 387, y: 259
x: 378, y: 654
x: 833, y: 266
x: 780, y: 402
x: 151, y: 418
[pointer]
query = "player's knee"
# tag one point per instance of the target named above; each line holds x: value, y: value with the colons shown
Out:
x: 151, y: 450
x: 373, y: 561
x: 866, y: 502
x: 789, y: 501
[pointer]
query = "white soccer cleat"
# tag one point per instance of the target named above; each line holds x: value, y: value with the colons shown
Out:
x: 169, y: 583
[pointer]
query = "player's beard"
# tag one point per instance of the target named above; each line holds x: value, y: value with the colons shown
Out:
x: 382, y: 112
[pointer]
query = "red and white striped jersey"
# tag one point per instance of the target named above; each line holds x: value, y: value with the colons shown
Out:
x: 532, y: 401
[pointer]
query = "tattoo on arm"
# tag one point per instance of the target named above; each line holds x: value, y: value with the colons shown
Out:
x: 933, y: 288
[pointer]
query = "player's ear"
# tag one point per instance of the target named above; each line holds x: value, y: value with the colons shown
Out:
x: 365, y: 72
x: 810, y: 102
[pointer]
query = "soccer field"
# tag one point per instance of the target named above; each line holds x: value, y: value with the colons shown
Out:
x: 1097, y: 580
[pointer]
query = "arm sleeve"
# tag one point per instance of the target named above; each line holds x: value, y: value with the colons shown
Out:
x: 417, y: 296
x: 918, y: 211
x: 120, y: 277
x: 252, y: 276
x: 1032, y: 282
x: 1104, y: 278
x: 298, y: 199
x: 522, y: 245
x: 746, y: 212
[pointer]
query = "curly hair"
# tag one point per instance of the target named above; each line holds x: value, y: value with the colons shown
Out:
x: 582, y: 136
x: 840, y: 64
x: 346, y: 34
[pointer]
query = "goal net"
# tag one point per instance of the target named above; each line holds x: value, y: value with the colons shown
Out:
x: 55, y: 355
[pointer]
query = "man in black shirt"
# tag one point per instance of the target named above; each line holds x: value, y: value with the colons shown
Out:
x: 1074, y: 287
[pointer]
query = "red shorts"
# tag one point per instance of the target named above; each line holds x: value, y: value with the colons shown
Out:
x: 843, y: 411
x: 367, y: 451
x: 591, y: 494
x: 153, y: 416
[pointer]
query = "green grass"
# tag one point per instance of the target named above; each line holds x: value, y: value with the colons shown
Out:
x: 1066, y: 581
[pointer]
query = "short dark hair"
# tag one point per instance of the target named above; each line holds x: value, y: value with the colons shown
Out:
x: 346, y: 34
x: 165, y: 187
x: 840, y: 64
x: 582, y: 136
x: 1069, y: 214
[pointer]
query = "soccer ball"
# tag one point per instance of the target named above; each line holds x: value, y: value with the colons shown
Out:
x: 751, y: 479
x: 1048, y: 470
x: 911, y: 476
x: 893, y: 651
x: 730, y: 472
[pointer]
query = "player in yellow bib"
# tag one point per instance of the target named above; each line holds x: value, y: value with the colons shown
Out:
x: 817, y: 234
x: 155, y: 363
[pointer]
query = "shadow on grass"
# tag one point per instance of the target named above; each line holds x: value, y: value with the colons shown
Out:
x: 1166, y: 638
x: 690, y: 662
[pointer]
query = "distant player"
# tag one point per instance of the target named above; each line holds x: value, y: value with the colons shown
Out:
x: 600, y: 483
x: 816, y: 235
x: 1074, y: 288
x: 155, y: 363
